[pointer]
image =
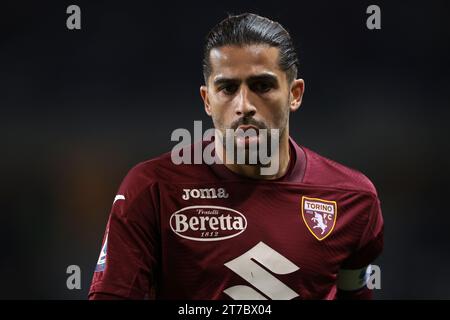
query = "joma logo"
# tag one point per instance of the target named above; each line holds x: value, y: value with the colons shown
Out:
x: 207, y: 193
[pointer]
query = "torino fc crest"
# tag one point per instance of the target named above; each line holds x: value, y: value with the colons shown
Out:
x: 319, y: 216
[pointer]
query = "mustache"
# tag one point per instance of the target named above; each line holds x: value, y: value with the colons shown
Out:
x: 248, y: 121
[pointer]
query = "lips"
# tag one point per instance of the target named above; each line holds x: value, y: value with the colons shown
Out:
x: 244, y: 128
x: 248, y: 126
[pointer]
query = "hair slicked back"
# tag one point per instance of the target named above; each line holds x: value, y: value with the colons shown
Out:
x: 249, y: 29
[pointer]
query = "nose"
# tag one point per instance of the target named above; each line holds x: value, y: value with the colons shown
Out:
x: 245, y: 107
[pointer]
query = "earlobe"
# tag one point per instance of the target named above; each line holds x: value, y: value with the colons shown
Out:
x: 204, y: 95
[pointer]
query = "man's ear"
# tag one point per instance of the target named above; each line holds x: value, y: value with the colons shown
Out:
x: 297, y: 90
x: 204, y: 95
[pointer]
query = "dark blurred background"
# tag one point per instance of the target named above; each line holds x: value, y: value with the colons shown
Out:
x: 79, y: 108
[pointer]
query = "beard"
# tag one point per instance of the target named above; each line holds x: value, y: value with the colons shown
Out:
x: 246, y: 146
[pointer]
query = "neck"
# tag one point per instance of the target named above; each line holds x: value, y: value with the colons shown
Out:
x: 254, y: 171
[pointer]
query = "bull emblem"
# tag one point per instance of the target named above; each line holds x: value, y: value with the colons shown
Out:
x: 320, y: 222
x: 319, y: 216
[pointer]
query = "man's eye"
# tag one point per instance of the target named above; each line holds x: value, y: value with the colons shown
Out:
x: 229, y: 89
x: 262, y: 87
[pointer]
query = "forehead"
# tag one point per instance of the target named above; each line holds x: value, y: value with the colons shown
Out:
x: 241, y: 62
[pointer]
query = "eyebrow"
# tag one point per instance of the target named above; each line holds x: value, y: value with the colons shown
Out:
x: 259, y: 77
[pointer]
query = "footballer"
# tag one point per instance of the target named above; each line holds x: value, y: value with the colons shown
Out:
x: 308, y: 230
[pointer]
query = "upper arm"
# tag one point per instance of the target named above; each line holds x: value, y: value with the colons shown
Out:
x: 129, y: 254
x: 355, y: 271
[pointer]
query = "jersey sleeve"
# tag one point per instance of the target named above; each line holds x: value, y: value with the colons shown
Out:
x: 371, y: 243
x: 355, y: 271
x: 129, y: 255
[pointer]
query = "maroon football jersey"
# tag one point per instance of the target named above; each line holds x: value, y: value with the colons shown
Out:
x: 203, y: 232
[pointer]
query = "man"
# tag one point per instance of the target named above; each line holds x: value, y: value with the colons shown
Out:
x: 308, y: 230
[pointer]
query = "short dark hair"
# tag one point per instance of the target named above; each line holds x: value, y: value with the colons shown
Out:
x: 248, y: 29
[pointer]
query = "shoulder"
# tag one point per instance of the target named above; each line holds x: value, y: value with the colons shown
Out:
x: 163, y: 169
x: 323, y: 171
x: 141, y: 186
